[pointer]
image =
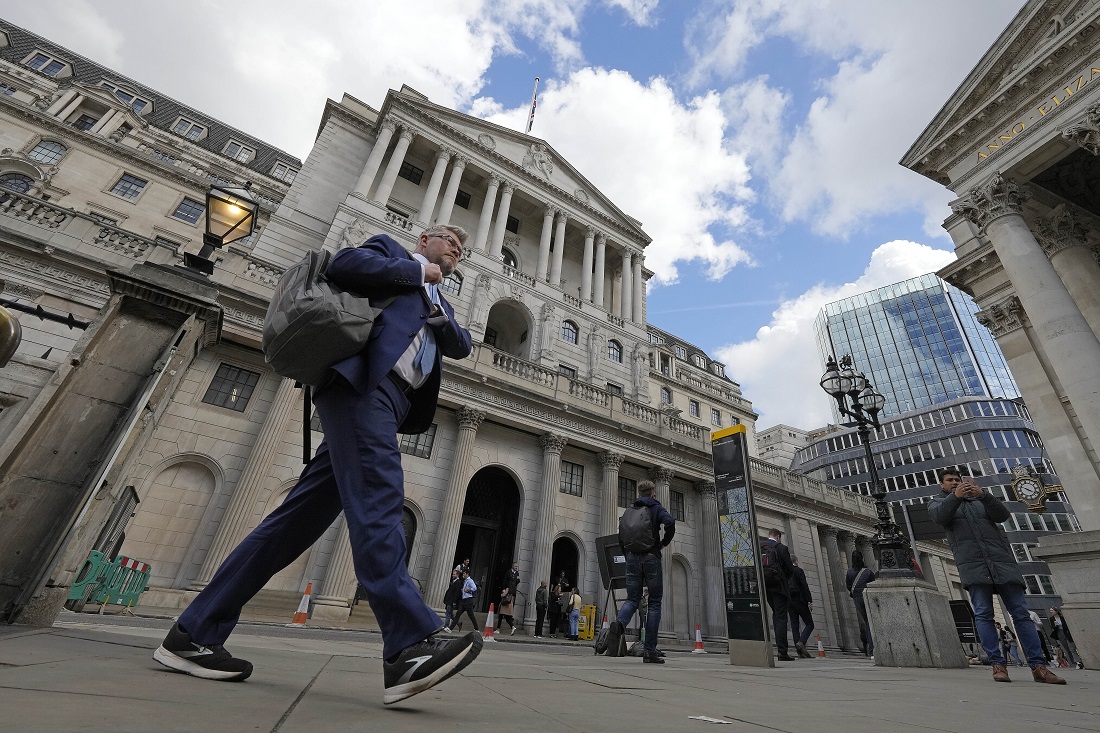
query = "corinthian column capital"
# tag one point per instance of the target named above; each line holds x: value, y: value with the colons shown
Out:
x: 388, y: 124
x: 660, y: 474
x: 407, y: 133
x: 1085, y: 133
x: 460, y: 161
x: 470, y: 418
x: 611, y: 460
x: 706, y: 488
x: 1062, y: 229
x: 1003, y: 317
x: 552, y: 443
x: 995, y: 198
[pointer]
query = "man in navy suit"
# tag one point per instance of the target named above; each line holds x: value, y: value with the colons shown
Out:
x: 391, y: 387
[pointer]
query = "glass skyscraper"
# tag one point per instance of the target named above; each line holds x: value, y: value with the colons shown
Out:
x: 918, y: 342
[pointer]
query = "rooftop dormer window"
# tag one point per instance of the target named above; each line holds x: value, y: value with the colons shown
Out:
x: 46, y: 64
x: 188, y: 129
x: 284, y: 172
x: 136, y: 103
x: 239, y: 152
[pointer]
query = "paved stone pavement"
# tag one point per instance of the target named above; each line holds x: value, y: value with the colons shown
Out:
x: 95, y: 673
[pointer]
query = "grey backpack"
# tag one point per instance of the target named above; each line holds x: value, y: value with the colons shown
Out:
x: 312, y: 324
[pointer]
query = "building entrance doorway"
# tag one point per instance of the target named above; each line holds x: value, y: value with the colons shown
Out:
x: 487, y: 535
x: 565, y: 557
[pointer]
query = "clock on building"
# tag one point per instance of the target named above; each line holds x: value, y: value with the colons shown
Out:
x: 1029, y: 488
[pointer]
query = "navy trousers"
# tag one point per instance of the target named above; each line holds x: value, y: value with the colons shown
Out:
x: 357, y: 469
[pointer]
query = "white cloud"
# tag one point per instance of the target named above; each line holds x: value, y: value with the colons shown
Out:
x: 661, y: 160
x: 779, y: 368
x: 640, y: 11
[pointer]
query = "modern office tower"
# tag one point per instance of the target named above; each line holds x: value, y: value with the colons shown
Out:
x: 918, y: 342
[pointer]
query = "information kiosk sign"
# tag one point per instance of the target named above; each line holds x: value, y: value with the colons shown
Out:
x: 749, y: 637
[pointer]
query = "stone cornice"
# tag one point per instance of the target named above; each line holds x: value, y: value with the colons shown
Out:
x: 973, y: 268
x: 1059, y: 231
x: 1003, y: 317
x: 991, y: 200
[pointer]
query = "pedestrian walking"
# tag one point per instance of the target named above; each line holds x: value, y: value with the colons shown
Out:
x: 640, y: 538
x: 469, y: 597
x: 1008, y: 643
x: 775, y: 562
x: 504, y: 610
x: 390, y: 387
x: 987, y: 565
x: 1059, y: 631
x: 452, y: 602
x: 1040, y: 627
x: 800, y: 609
x: 859, y: 575
x: 542, y: 600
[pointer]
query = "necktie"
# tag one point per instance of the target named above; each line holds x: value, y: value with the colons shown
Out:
x: 425, y: 358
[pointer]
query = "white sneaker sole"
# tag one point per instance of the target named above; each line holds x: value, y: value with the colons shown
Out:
x: 178, y: 663
x: 456, y: 665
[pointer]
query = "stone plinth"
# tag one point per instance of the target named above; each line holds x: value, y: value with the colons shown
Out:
x: 329, y: 611
x: 751, y: 653
x: 1074, y: 561
x: 912, y: 625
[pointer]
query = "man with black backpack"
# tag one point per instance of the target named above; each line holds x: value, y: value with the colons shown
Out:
x: 776, y: 565
x: 639, y: 536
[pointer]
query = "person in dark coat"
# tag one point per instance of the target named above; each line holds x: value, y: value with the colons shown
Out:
x: 859, y: 575
x: 513, y: 579
x: 1059, y: 631
x: 554, y: 610
x: 778, y: 592
x: 987, y: 565
x: 799, y: 609
x: 452, y: 601
x: 542, y: 600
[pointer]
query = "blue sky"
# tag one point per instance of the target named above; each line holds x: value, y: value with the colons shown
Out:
x: 756, y: 140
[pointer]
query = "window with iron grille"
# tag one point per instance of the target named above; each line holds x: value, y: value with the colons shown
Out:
x: 572, y: 478
x: 628, y: 492
x: 189, y: 210
x: 419, y: 445
x: 490, y: 337
x: 615, y: 351
x: 452, y: 284
x: 48, y: 152
x: 569, y: 332
x: 462, y: 198
x: 410, y: 172
x: 512, y: 225
x: 129, y: 187
x: 679, y: 507
x: 231, y: 387
x: 567, y: 371
x: 85, y: 122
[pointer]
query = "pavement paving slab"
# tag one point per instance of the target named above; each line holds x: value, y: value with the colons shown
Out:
x: 96, y: 674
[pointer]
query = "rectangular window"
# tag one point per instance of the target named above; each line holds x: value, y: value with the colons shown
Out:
x: 462, y: 198
x: 452, y: 284
x: 129, y: 187
x: 238, y: 152
x: 679, y: 512
x: 715, y: 417
x: 628, y: 492
x: 85, y: 122
x: 693, y: 408
x: 419, y: 445
x: 567, y: 371
x: 410, y: 172
x: 189, y: 210
x: 231, y: 387
x: 6, y: 90
x: 572, y: 478
x: 188, y: 129
x: 284, y: 172
x: 512, y: 225
x: 615, y: 389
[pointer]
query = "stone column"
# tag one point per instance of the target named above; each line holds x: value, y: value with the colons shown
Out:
x: 841, y: 602
x: 70, y: 107
x: 389, y: 176
x: 609, y: 504
x: 103, y: 121
x: 598, y: 277
x: 821, y: 594
x: 502, y: 219
x: 559, y: 248
x: 61, y: 102
x: 847, y: 544
x: 480, y: 241
x: 638, y: 301
x: 374, y: 160
x: 453, y: 182
x: 237, y: 520
x: 427, y: 204
x: 1064, y: 239
x: 552, y: 446
x: 625, y: 309
x: 543, y: 265
x: 334, y: 602
x: 662, y: 478
x: 710, y: 557
x: 586, y: 264
x: 1060, y: 330
x: 863, y: 544
x: 450, y: 518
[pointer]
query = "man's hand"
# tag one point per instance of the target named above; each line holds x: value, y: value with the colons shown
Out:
x: 968, y: 490
x: 432, y: 274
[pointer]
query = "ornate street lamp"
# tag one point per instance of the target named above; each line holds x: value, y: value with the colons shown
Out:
x: 857, y: 398
x: 230, y: 216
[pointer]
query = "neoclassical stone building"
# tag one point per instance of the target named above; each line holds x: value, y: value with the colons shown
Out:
x: 569, y: 399
x: 1018, y: 143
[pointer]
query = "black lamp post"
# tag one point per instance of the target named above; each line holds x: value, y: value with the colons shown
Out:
x: 856, y: 398
x: 230, y: 215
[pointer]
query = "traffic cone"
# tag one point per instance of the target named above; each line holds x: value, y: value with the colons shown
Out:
x: 303, y: 608
x: 487, y: 635
x: 698, y: 642
x: 820, y: 647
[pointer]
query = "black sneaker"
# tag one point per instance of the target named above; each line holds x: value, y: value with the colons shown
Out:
x: 178, y: 652
x: 427, y: 663
x: 653, y: 658
x: 615, y: 639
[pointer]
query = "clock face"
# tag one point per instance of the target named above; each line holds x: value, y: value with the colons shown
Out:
x: 1027, y: 489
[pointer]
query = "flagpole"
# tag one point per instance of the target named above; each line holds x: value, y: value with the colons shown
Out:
x: 531, y: 117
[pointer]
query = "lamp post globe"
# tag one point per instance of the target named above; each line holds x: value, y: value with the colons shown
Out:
x: 830, y: 380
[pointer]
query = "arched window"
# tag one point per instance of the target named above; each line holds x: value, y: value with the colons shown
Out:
x: 17, y: 182
x: 452, y: 284
x: 48, y: 152
x: 666, y: 396
x: 615, y: 351
x: 508, y: 257
x: 569, y: 332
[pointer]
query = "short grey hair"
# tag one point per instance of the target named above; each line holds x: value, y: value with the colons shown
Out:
x: 438, y: 229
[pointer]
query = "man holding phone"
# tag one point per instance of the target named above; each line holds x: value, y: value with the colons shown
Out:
x: 987, y: 565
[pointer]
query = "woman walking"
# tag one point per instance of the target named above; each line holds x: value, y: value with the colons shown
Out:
x: 1059, y: 631
x: 507, y: 600
x: 859, y: 575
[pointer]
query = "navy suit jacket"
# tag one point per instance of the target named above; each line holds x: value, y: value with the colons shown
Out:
x: 380, y: 268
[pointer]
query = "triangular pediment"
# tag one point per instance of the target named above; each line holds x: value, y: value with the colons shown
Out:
x: 1045, y: 42
x: 527, y: 160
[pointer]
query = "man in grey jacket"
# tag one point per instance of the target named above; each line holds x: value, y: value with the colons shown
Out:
x: 987, y: 565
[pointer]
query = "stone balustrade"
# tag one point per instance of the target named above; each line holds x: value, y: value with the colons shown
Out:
x: 403, y: 223
x: 33, y: 210
x: 615, y: 320
x: 263, y: 273
x: 589, y: 393
x: 514, y: 274
x: 645, y: 413
x: 524, y: 369
x: 123, y: 242
x: 683, y: 427
x: 570, y: 300
x: 811, y: 488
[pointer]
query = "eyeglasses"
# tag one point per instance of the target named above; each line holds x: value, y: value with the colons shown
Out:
x: 451, y: 241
